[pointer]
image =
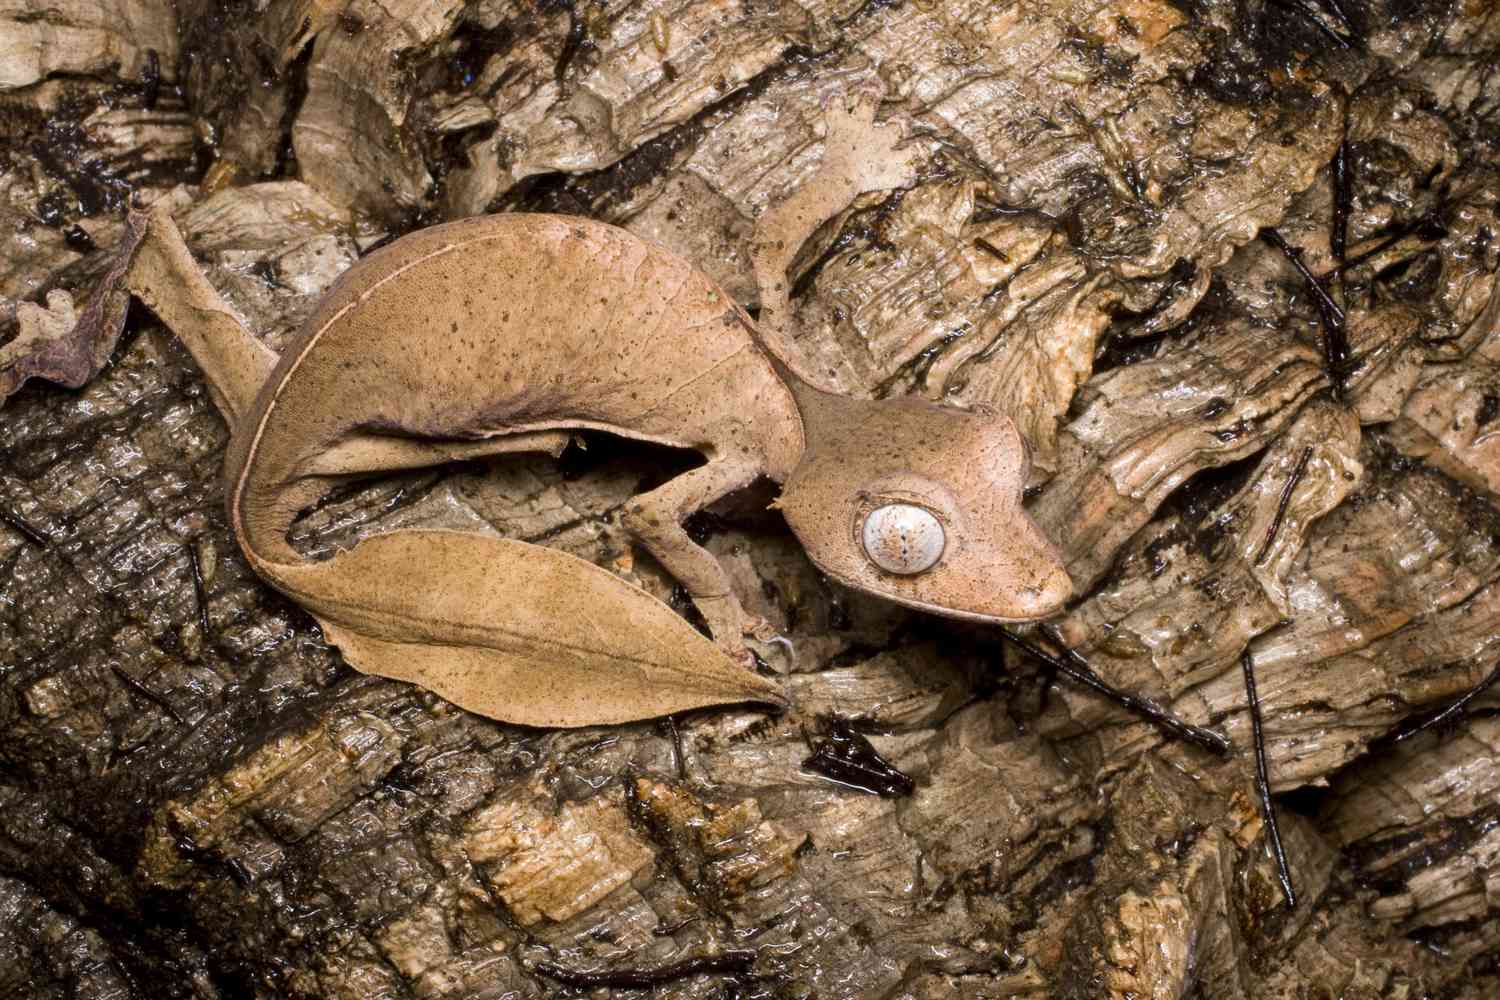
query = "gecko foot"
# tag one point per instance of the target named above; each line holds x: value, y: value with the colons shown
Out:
x: 872, y: 157
x: 785, y: 652
x: 760, y: 639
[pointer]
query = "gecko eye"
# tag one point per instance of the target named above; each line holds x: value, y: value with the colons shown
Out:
x: 903, y: 538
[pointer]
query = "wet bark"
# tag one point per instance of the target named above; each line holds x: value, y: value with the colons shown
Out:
x: 1119, y: 206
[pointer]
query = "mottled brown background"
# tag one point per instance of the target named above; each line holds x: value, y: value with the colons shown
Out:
x: 199, y: 800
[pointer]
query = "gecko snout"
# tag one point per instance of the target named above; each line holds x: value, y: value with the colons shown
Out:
x: 1047, y: 595
x: 1024, y: 575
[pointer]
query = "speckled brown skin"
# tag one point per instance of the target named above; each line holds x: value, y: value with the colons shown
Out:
x: 504, y: 334
x: 507, y: 333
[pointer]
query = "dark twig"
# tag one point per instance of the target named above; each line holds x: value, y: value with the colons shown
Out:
x: 1335, y: 343
x: 1080, y: 672
x: 729, y: 963
x: 679, y: 755
x: 1326, y: 306
x: 1453, y: 710
x: 1336, y: 8
x: 200, y: 592
x: 139, y: 687
x: 576, y: 38
x: 668, y: 930
x: 1343, y: 198
x: 1281, y: 505
x: 1426, y: 227
x: 22, y: 528
x: 991, y: 249
x: 1263, y: 783
x: 1311, y: 13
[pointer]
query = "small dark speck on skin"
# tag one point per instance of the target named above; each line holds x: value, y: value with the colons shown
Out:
x: 453, y: 328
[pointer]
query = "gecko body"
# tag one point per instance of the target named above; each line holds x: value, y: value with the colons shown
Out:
x: 510, y: 333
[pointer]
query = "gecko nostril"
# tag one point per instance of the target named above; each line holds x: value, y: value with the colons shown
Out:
x: 903, y: 538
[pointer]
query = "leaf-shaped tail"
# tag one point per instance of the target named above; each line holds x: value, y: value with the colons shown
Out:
x: 513, y: 631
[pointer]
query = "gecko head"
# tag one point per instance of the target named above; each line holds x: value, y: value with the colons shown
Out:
x: 921, y: 505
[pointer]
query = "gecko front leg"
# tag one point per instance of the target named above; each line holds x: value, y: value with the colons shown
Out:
x: 858, y: 156
x: 655, y: 520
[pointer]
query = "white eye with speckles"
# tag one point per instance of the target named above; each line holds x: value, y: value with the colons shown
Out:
x: 903, y: 538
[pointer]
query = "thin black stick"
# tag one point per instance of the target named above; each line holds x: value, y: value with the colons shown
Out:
x: 991, y: 249
x: 1263, y: 784
x: 1335, y: 343
x: 1317, y: 22
x: 1343, y: 19
x: 729, y: 962
x: 200, y: 592
x: 139, y: 687
x: 1326, y: 306
x: 1081, y: 673
x: 1343, y: 198
x: 1281, y: 505
x: 1434, y: 230
x: 678, y: 756
x: 1455, y: 709
x: 23, y: 528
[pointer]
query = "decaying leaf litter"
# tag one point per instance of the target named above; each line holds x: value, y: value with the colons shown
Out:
x: 1167, y: 365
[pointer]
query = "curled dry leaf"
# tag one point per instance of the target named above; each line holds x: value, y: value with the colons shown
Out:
x: 68, y: 345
